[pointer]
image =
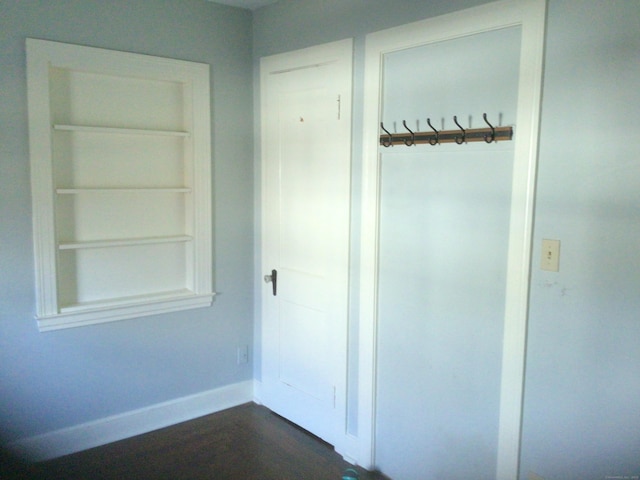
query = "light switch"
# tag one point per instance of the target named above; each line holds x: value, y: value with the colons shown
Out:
x: 550, y: 255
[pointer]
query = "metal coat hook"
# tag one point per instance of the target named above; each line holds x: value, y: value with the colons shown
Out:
x: 459, y: 140
x: 489, y: 138
x: 433, y: 141
x: 388, y: 141
x: 457, y: 134
x: 408, y: 142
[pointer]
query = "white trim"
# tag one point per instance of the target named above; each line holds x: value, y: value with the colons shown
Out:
x: 533, y: 14
x: 89, y: 314
x: 348, y: 448
x: 194, y: 79
x: 530, y: 15
x: 136, y: 422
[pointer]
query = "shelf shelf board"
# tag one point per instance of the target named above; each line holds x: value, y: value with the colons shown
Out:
x: 120, y: 308
x: 75, y: 191
x: 123, y: 242
x: 129, y: 300
x: 114, y: 130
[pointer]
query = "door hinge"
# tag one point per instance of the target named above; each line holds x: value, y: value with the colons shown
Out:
x: 339, y: 106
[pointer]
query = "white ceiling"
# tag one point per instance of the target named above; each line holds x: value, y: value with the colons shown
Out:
x: 248, y: 4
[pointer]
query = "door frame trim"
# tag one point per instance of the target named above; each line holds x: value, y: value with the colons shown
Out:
x: 530, y: 16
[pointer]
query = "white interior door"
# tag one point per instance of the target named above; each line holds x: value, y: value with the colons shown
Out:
x: 306, y: 122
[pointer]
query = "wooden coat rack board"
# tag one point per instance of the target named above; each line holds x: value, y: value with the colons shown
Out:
x: 486, y: 134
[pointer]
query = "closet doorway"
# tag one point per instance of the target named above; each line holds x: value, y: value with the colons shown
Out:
x: 447, y: 217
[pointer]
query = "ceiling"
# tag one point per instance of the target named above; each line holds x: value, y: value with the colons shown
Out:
x: 248, y: 4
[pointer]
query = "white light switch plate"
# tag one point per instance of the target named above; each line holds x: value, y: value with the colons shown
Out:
x: 550, y: 260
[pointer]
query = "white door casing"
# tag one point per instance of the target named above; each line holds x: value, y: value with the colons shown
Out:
x: 530, y: 16
x: 306, y: 148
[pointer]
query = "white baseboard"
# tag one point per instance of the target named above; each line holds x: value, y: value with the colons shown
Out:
x: 118, y: 427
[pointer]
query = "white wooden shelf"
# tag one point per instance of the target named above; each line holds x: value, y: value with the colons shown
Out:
x: 115, y: 130
x: 89, y: 313
x: 134, y: 299
x: 76, y: 191
x: 124, y: 242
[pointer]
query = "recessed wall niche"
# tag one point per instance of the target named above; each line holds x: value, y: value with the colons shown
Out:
x: 121, y: 184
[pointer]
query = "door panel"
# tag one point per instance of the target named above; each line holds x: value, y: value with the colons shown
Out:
x: 302, y: 362
x: 306, y: 183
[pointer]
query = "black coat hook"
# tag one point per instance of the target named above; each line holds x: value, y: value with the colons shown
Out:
x: 489, y: 138
x: 436, y: 140
x: 388, y: 142
x: 459, y: 139
x: 409, y: 142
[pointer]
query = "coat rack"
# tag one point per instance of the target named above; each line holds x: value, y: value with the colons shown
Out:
x: 487, y: 134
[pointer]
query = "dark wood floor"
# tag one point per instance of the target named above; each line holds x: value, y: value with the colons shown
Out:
x: 247, y: 442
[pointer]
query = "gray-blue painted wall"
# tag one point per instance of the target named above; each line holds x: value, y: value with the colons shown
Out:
x: 581, y: 409
x: 61, y: 378
x: 581, y: 414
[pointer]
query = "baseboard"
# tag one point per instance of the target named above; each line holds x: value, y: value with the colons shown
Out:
x: 118, y: 427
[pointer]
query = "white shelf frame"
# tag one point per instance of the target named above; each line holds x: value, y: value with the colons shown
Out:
x: 42, y: 57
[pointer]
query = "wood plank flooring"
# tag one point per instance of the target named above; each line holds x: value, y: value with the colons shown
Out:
x: 247, y: 442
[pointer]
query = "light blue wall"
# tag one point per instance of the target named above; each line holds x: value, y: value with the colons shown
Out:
x: 581, y: 414
x: 582, y: 409
x: 443, y: 245
x: 57, y: 379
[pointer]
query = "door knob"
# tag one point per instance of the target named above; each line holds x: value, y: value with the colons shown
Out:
x: 273, y: 278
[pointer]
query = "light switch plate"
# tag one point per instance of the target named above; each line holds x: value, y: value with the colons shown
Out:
x: 550, y: 258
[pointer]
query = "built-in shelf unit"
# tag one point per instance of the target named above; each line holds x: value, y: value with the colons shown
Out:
x: 121, y: 184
